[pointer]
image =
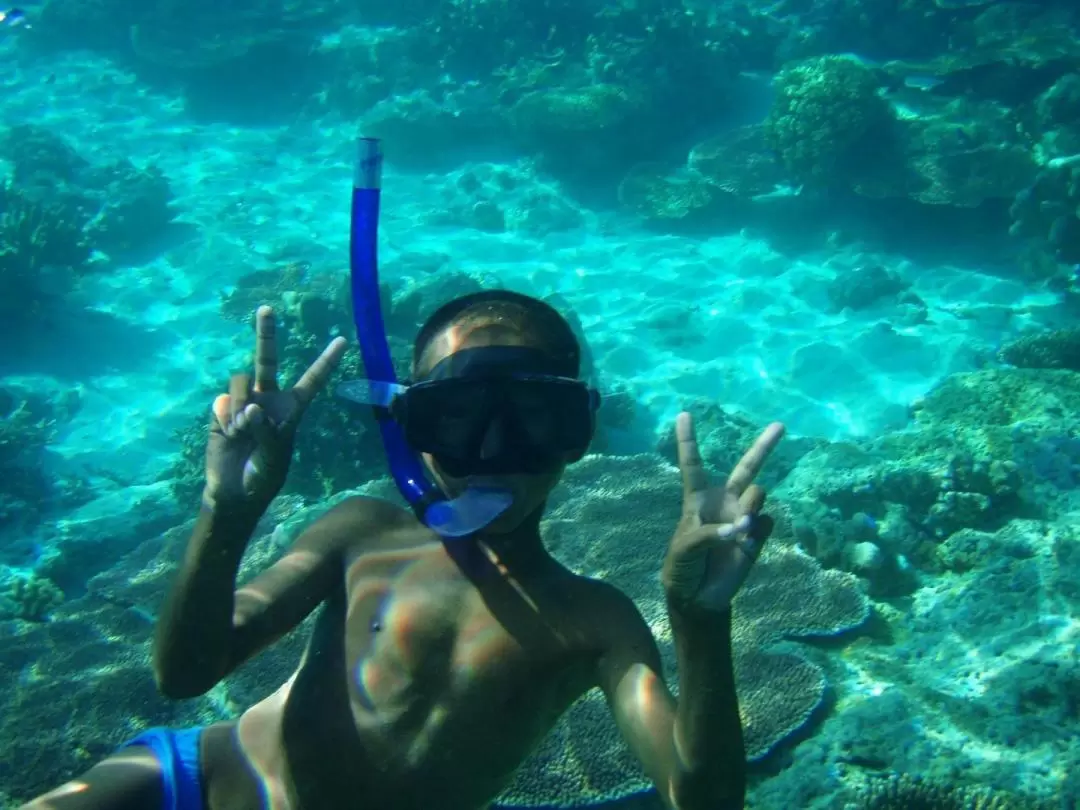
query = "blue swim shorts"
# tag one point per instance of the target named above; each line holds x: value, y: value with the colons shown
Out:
x: 178, y: 752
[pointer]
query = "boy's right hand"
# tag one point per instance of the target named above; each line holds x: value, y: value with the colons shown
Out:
x: 253, y: 426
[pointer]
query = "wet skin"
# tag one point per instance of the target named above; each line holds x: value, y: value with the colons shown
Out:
x: 432, y: 670
x: 426, y: 682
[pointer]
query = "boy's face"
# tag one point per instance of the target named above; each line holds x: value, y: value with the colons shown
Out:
x: 529, y: 491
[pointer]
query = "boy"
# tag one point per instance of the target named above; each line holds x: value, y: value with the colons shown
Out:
x: 435, y: 666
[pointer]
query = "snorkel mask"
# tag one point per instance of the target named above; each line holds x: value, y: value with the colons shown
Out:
x: 492, y: 410
x: 475, y: 508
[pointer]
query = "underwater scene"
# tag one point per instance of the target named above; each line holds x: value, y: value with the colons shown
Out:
x: 541, y: 277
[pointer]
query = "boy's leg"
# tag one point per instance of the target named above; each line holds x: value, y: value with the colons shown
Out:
x: 130, y: 779
x: 158, y: 770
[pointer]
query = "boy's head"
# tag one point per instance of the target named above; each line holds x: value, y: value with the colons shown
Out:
x: 496, y: 400
x: 496, y: 317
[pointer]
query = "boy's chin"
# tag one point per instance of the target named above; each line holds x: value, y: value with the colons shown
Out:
x: 513, y: 518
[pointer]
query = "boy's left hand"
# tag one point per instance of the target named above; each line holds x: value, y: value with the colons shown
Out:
x: 721, y: 531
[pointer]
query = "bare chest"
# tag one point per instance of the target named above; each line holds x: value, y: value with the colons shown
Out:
x: 420, y: 632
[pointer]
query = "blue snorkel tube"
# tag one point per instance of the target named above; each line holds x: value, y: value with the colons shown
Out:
x: 476, y: 507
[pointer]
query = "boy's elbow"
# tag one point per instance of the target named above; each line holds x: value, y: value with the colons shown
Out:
x: 178, y: 687
x: 180, y: 683
x: 708, y: 791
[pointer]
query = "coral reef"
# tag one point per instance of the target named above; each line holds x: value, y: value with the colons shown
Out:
x: 906, y: 792
x: 723, y: 437
x: 971, y: 99
x: 1047, y: 212
x: 958, y: 153
x: 1059, y: 348
x: 31, y: 598
x: 1056, y: 112
x: 81, y: 683
x: 990, y: 446
x: 828, y: 123
x: 43, y: 248
x: 499, y: 199
x: 28, y: 424
x: 739, y: 162
x: 593, y: 109
x: 1009, y: 51
x: 863, y: 286
x: 655, y: 192
x: 113, y: 207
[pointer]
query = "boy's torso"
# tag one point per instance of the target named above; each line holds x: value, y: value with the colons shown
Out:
x: 426, y: 683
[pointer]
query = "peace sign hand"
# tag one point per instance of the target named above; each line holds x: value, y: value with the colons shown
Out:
x: 721, y: 532
x: 253, y: 426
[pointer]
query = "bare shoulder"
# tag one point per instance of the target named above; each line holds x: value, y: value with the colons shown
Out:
x: 359, y: 520
x: 366, y: 510
x: 609, y: 617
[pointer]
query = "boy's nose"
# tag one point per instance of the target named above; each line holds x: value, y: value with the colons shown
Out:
x: 493, y: 439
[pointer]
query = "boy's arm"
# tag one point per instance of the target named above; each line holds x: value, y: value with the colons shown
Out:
x: 206, y: 628
x: 692, y: 749
x: 695, y: 752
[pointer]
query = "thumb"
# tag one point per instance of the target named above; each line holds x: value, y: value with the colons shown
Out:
x: 752, y: 540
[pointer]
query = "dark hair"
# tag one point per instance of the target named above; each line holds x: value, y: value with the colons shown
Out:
x: 539, y: 323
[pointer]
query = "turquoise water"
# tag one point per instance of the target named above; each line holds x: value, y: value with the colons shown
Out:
x: 929, y: 479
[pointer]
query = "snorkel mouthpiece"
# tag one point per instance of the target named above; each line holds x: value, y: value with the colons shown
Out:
x: 476, y: 507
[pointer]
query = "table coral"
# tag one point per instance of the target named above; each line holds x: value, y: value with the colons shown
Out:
x: 612, y: 520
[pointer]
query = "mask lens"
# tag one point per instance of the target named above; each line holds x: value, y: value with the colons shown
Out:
x: 444, y: 416
x: 554, y: 413
x: 542, y: 420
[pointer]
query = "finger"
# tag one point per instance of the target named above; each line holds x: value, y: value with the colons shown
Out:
x: 265, y: 350
x: 695, y: 481
x: 314, y: 379
x: 253, y: 420
x: 239, y: 388
x: 754, y: 459
x: 752, y: 499
x: 219, y: 413
x: 749, y: 533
